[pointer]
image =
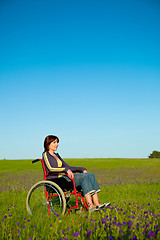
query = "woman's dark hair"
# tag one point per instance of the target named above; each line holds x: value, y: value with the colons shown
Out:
x: 48, y: 140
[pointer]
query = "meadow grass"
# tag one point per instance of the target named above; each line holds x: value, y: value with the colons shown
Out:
x: 131, y: 185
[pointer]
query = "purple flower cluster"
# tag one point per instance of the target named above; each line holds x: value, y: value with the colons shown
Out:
x: 138, y: 224
x: 125, y: 176
x: 132, y: 222
x: 19, y: 182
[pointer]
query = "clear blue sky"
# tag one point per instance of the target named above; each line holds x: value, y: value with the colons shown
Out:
x: 86, y: 71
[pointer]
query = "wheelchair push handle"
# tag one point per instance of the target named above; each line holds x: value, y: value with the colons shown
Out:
x: 36, y: 160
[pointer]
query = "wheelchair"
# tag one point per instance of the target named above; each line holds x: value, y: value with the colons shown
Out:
x: 51, y: 196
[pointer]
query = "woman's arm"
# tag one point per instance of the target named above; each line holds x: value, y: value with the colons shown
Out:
x: 73, y: 169
x: 78, y: 169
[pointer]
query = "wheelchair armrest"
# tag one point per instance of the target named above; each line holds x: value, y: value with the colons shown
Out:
x: 56, y: 173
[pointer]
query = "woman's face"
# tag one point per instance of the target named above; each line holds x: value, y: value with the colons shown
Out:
x: 53, y: 145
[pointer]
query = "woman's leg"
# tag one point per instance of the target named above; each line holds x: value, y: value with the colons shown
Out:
x: 95, y: 199
x: 89, y: 200
x: 96, y: 187
x: 89, y: 186
x: 83, y: 180
x: 94, y: 182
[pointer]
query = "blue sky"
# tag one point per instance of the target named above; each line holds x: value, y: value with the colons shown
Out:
x: 86, y: 71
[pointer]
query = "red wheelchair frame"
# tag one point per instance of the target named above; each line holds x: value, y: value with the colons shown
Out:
x: 72, y: 192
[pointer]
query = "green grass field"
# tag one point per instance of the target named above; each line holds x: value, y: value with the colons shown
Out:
x: 131, y: 185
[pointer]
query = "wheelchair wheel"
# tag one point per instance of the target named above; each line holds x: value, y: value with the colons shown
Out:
x: 45, y: 197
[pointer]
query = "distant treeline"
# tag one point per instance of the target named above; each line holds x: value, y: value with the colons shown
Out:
x: 154, y: 154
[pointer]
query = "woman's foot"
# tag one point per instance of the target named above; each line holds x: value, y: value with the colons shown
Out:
x: 96, y: 208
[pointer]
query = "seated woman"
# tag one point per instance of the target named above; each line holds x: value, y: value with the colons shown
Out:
x: 54, y: 163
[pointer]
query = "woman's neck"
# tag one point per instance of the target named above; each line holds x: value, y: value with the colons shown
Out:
x: 51, y: 152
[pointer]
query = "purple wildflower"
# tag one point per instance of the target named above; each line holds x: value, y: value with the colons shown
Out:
x: 129, y: 223
x: 146, y: 212
x: 76, y: 234
x: 134, y: 238
x: 151, y: 234
x: 144, y: 232
x: 103, y: 220
x: 93, y: 220
x: 110, y: 237
x: 89, y: 233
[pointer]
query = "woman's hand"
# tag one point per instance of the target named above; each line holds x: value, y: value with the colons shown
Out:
x: 70, y: 173
x: 85, y: 171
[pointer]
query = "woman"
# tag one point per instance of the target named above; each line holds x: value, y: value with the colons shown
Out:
x: 54, y: 163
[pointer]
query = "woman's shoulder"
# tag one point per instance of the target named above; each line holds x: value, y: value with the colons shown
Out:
x: 47, y: 155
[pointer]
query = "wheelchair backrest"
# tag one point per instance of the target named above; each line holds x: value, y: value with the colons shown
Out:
x: 43, y: 167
